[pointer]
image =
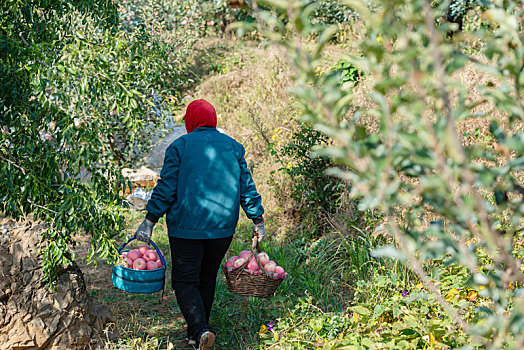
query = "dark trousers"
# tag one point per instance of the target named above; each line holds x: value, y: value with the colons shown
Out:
x: 195, y: 264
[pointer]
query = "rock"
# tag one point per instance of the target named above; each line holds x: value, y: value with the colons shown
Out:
x: 34, y: 317
x: 155, y: 158
x: 6, y: 226
x: 140, y: 175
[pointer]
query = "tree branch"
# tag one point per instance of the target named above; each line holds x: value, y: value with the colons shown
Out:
x: 14, y: 164
x: 42, y: 207
x: 29, y: 46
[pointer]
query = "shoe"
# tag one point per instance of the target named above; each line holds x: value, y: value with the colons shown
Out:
x: 206, y: 340
x: 191, y: 340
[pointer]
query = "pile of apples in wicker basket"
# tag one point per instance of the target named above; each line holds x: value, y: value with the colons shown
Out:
x: 239, y: 262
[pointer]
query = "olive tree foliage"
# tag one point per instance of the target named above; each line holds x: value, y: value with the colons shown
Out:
x: 415, y: 164
x: 77, y: 97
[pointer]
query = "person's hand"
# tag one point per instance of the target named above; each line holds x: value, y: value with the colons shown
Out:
x: 260, y: 231
x: 144, y: 231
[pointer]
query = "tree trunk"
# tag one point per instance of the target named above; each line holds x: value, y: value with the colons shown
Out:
x: 34, y: 317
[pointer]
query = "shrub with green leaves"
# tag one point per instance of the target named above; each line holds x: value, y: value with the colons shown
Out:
x: 456, y: 12
x: 348, y: 72
x: 443, y: 198
x: 333, y: 12
x: 312, y: 191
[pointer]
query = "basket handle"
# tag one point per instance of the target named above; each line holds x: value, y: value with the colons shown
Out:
x: 150, y: 241
x: 255, y: 247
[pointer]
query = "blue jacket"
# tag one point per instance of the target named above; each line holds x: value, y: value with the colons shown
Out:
x: 203, y: 183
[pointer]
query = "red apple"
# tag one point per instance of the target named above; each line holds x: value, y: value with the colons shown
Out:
x: 279, y: 270
x: 143, y: 249
x: 159, y: 263
x: 150, y: 256
x: 263, y: 257
x: 151, y: 265
x: 252, y: 265
x: 134, y: 254
x: 139, y: 264
x: 244, y: 254
x: 239, y: 262
x: 231, y: 261
x: 129, y: 262
x: 270, y: 266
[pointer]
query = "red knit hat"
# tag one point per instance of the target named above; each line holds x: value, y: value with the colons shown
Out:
x: 200, y: 113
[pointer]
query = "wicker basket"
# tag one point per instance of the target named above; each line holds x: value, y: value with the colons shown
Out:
x: 241, y: 282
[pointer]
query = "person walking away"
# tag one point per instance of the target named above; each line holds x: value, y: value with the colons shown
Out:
x: 203, y: 183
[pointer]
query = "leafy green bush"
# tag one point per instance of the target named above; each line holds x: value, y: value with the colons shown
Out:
x: 386, y: 313
x: 461, y: 15
x: 333, y: 12
x: 348, y: 72
x: 193, y: 17
x: 455, y: 11
x: 312, y: 191
x: 222, y: 15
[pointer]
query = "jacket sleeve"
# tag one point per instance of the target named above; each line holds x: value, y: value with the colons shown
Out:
x: 250, y: 199
x: 164, y: 193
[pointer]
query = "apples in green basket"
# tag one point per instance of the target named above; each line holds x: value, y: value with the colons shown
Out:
x: 139, y: 264
x: 151, y: 265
